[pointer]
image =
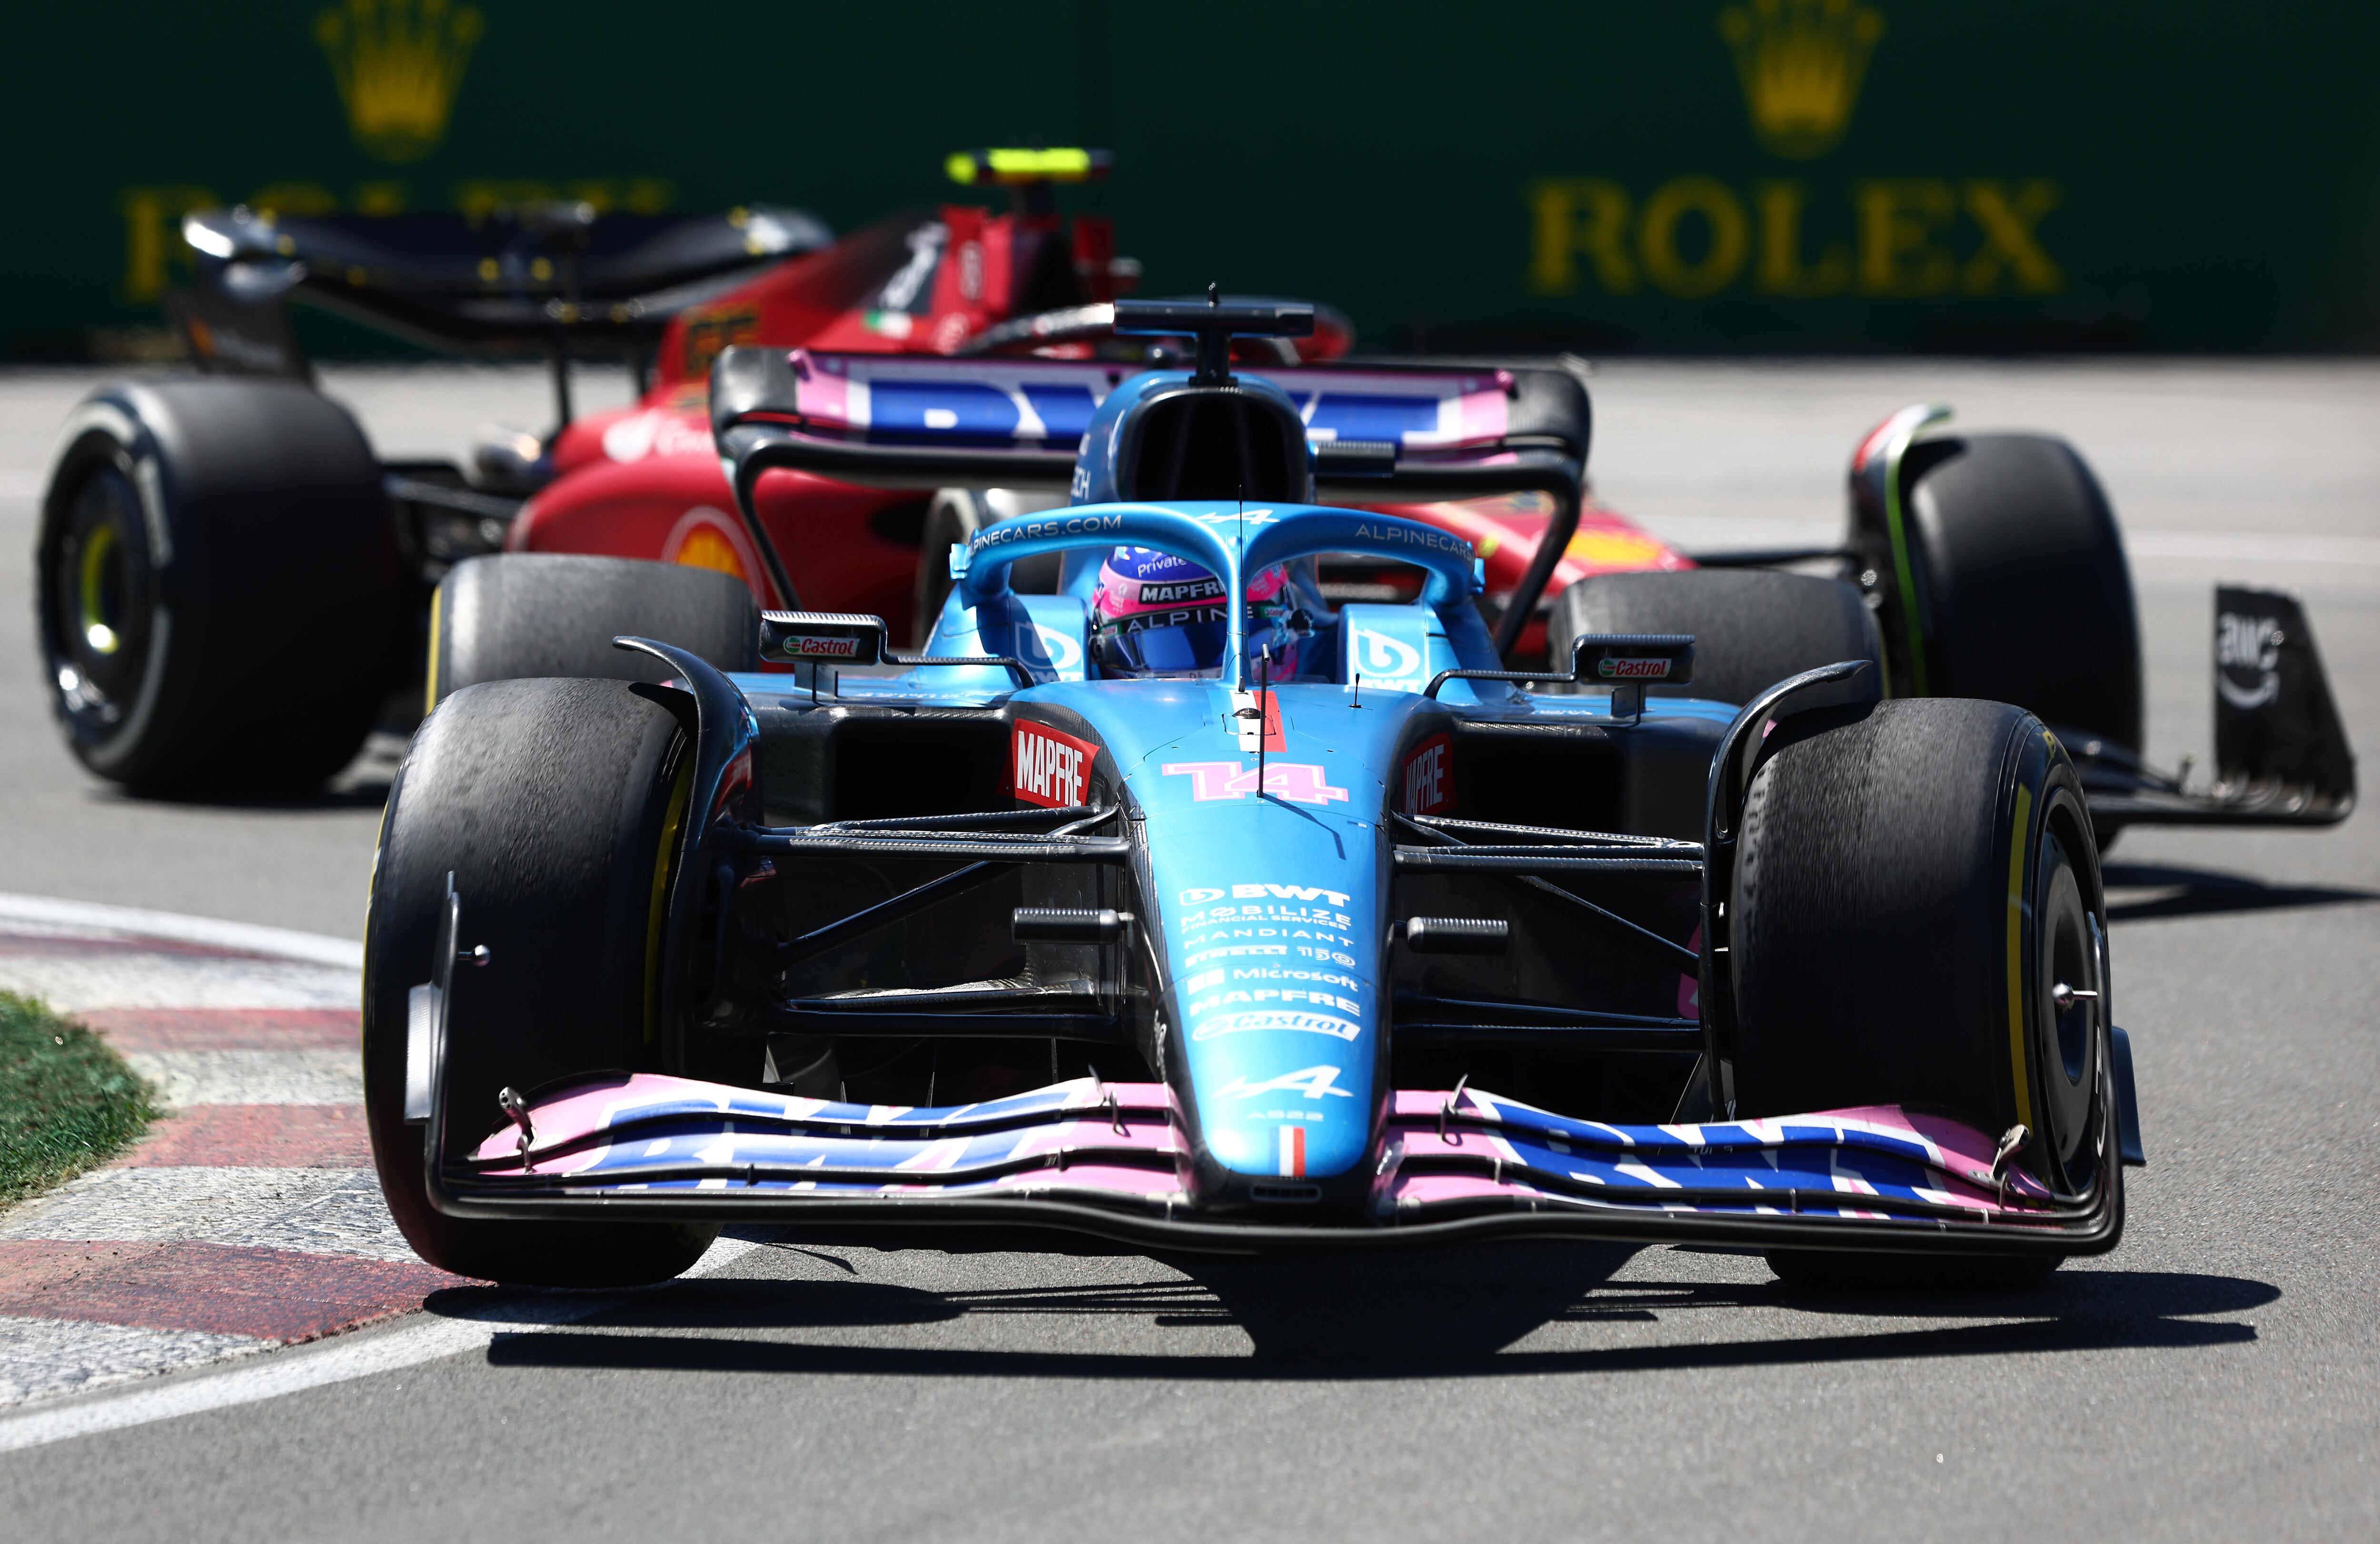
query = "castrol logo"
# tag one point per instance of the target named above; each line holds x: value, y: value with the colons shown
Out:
x: 810, y: 646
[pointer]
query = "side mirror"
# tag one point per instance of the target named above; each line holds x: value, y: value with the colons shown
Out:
x: 822, y: 636
x: 1628, y: 663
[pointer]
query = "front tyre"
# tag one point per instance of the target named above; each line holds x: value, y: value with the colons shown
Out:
x: 1916, y: 883
x: 554, y: 803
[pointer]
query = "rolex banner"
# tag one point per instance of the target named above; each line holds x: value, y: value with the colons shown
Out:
x: 1600, y: 175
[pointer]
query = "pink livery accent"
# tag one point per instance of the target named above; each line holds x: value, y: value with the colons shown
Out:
x: 592, y: 1108
x: 1136, y: 581
x: 1485, y: 416
x: 1471, y: 409
x: 821, y: 393
x: 1440, y: 1154
x: 1298, y: 782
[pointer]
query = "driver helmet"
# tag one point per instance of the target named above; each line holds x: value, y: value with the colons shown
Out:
x: 1159, y: 614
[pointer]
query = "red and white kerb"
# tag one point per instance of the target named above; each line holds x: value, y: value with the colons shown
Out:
x: 1292, y: 1151
x: 1048, y: 767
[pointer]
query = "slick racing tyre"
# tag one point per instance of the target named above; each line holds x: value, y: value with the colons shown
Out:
x: 955, y: 515
x: 220, y: 594
x: 554, y: 804
x: 1904, y: 868
x: 2025, y: 594
x: 517, y: 615
x: 1752, y: 627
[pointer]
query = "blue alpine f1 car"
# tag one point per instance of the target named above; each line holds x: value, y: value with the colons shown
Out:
x: 1172, y: 897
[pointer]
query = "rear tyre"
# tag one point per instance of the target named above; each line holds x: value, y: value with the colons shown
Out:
x: 1752, y: 627
x: 1913, y: 881
x: 553, y: 803
x: 220, y: 594
x: 2027, y: 598
x: 955, y: 515
x: 520, y: 614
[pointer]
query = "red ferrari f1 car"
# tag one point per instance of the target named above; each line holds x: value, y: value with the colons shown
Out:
x: 193, y: 527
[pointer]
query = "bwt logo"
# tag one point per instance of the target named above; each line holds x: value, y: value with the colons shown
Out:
x: 1287, y: 892
x: 1385, y: 658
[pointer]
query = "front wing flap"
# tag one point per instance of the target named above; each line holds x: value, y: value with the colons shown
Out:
x: 1114, y: 1159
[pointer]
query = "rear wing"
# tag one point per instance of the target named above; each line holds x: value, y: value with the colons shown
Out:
x: 510, y: 281
x: 1374, y: 434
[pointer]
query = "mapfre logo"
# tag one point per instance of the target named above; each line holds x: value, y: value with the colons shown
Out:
x: 1430, y: 776
x: 1048, y: 767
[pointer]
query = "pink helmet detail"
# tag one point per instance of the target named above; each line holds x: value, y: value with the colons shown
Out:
x: 1138, y: 580
x: 1157, y: 613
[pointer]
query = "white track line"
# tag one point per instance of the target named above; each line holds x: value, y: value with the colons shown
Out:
x: 44, y: 1358
x: 245, y: 937
x: 339, y: 1361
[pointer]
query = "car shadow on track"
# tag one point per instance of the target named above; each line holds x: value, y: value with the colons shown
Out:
x: 1520, y: 1310
x: 364, y: 784
x: 2201, y: 892
x: 370, y: 794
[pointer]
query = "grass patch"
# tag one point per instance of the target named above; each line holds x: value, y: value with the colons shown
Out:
x: 68, y: 1101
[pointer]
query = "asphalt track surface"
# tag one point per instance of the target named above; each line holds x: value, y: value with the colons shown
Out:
x: 2219, y: 1376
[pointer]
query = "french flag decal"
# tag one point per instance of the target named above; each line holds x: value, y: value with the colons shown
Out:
x: 1292, y: 1151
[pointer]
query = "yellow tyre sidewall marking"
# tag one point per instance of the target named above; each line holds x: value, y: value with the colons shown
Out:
x: 657, y: 911
x: 429, y: 693
x: 97, y: 548
x: 2019, y: 1061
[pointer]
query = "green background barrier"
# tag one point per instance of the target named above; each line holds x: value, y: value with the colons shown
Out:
x: 1689, y: 175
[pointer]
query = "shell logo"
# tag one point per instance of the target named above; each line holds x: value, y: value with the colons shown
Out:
x: 1605, y: 548
x: 707, y: 537
x: 707, y: 549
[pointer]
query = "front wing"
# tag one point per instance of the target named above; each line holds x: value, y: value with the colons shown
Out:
x: 1115, y: 1159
